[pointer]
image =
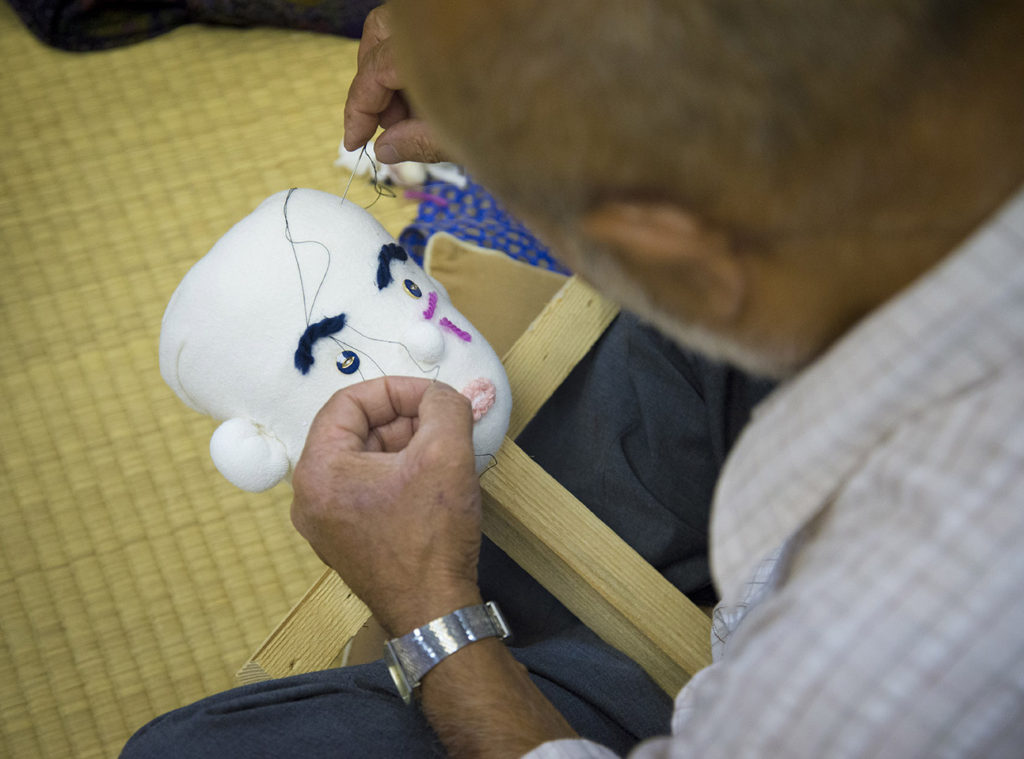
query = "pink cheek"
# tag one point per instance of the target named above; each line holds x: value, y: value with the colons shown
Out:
x: 482, y: 395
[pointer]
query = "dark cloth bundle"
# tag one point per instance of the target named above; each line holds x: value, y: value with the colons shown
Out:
x: 81, y: 25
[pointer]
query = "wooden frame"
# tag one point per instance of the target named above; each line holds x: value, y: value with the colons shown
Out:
x: 541, y: 526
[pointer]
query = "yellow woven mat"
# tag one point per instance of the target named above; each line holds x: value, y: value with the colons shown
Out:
x: 133, y: 579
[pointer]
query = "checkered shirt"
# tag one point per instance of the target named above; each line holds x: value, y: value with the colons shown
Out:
x: 867, y: 539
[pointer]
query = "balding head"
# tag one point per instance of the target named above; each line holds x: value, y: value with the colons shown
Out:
x: 570, y: 102
x: 766, y: 121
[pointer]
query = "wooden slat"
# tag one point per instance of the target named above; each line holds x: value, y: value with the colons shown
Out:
x: 591, y: 570
x: 558, y: 339
x: 312, y: 635
x: 541, y: 526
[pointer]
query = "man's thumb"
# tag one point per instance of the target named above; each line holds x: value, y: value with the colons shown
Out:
x: 408, y: 140
x: 446, y: 415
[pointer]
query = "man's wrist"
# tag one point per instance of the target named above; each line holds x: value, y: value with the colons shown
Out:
x: 482, y: 702
x: 411, y: 613
x: 416, y: 653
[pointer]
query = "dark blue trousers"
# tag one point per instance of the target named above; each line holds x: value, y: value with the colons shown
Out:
x: 638, y: 432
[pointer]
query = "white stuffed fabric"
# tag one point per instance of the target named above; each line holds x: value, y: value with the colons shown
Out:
x: 306, y: 295
x: 364, y: 162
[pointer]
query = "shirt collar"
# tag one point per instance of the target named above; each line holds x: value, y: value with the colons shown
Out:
x: 956, y: 324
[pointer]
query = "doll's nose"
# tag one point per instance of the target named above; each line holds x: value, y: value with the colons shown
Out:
x: 425, y: 343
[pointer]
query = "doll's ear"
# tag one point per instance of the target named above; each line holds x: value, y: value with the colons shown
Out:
x: 249, y: 456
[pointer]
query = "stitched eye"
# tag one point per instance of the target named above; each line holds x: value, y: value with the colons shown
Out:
x: 348, y: 362
x: 413, y: 289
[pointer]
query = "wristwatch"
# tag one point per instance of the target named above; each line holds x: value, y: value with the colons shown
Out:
x: 414, y: 654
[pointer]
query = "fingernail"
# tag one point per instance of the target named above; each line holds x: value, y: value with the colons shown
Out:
x: 387, y: 154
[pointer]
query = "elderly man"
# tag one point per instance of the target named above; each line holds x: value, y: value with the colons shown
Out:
x: 828, y: 192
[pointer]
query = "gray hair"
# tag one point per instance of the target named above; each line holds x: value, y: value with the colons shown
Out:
x: 683, y: 99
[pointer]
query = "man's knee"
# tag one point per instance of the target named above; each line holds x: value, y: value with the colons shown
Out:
x: 349, y: 712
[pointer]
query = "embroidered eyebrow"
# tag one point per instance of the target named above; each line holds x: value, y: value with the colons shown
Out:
x: 323, y: 328
x: 388, y: 253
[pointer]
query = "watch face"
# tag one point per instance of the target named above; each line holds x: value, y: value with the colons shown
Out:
x: 397, y: 673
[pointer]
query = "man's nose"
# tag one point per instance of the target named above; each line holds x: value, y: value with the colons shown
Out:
x: 425, y: 343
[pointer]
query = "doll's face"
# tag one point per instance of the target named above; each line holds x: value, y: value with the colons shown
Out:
x: 405, y: 326
x: 308, y: 295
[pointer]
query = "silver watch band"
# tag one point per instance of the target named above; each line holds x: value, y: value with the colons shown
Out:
x: 414, y: 654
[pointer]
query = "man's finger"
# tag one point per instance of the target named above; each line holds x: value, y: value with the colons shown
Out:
x: 376, y: 29
x: 393, y: 436
x: 411, y: 140
x: 397, y: 111
x: 372, y: 88
x: 352, y: 415
x: 445, y: 418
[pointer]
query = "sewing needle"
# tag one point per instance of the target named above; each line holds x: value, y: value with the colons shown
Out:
x: 355, y: 166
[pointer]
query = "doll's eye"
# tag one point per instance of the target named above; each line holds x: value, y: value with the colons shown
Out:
x: 413, y: 289
x: 348, y: 362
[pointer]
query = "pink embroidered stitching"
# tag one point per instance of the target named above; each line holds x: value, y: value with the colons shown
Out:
x: 482, y: 394
x: 429, y: 313
x: 435, y: 199
x: 461, y: 334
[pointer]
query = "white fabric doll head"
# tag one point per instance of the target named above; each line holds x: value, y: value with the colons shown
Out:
x: 306, y: 295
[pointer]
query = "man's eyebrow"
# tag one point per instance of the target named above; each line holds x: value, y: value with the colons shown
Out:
x: 388, y: 253
x: 323, y: 328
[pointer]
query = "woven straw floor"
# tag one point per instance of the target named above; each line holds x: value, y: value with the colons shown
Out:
x: 133, y: 579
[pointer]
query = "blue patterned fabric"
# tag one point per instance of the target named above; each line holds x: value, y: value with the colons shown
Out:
x: 474, y: 215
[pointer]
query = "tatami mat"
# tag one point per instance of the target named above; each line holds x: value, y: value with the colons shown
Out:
x: 134, y: 579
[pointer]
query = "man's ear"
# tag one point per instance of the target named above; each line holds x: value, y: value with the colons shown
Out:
x: 674, y: 256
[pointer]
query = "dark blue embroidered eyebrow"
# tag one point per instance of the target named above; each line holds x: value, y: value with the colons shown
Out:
x: 388, y: 253
x: 323, y: 328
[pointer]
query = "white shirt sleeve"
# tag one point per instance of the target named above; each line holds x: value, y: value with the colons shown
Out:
x: 571, y: 749
x: 897, y: 629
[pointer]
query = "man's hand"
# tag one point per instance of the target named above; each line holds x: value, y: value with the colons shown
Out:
x: 386, y: 493
x: 375, y: 99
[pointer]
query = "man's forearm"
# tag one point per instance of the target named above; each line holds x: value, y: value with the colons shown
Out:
x: 387, y: 494
x: 482, y: 702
